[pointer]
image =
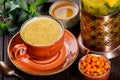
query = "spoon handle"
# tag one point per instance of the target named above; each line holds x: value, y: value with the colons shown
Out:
x: 8, y: 70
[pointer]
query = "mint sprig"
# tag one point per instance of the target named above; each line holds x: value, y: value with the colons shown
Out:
x: 15, y: 13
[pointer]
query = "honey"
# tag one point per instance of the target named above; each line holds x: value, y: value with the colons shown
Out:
x: 64, y: 10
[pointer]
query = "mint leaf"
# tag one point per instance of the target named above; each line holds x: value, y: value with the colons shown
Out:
x: 23, y: 4
x: 36, y: 14
x: 2, y: 25
x: 32, y: 8
x: 11, y: 17
x: 16, y: 12
x: 22, y: 17
x: 30, y: 16
x: 113, y: 10
x: 13, y: 6
x: 40, y: 2
x: 3, y: 28
x: 2, y: 2
x: 7, y: 7
x: 1, y: 11
x: 107, y: 5
x: 13, y: 30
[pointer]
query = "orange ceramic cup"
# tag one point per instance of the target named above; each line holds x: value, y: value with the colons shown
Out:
x: 42, y: 38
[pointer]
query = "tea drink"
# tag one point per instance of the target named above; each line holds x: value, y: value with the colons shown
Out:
x: 41, y: 32
x: 42, y: 37
x: 64, y: 10
x: 100, y: 24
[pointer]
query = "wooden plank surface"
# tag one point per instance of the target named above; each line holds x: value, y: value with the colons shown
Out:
x: 6, y: 40
x: 1, y: 48
x: 71, y: 73
x: 1, y: 54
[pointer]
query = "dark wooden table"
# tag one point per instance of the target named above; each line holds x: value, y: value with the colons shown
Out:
x: 71, y: 73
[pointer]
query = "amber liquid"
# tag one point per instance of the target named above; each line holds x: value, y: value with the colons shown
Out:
x: 64, y: 11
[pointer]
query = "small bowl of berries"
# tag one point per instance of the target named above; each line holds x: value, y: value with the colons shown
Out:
x: 94, y: 67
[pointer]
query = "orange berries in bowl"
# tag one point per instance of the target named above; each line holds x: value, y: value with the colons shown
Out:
x: 94, y: 67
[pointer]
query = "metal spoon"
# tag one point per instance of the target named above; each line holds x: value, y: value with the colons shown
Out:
x: 8, y: 70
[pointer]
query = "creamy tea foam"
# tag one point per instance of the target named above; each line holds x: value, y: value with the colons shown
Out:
x: 41, y: 31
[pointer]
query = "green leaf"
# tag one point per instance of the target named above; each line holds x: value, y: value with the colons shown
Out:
x: 36, y: 14
x: 30, y: 16
x: 32, y: 8
x: 11, y: 17
x: 2, y: 2
x: 22, y: 17
x: 7, y: 6
x: 23, y: 4
x: 13, y: 6
x: 107, y: 5
x: 114, y: 9
x: 1, y: 11
x: 3, y: 28
x: 13, y: 30
x: 2, y: 25
x: 16, y: 12
x: 40, y: 2
x: 9, y: 24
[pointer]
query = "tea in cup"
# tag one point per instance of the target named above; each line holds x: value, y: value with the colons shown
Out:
x: 42, y: 38
x: 66, y: 11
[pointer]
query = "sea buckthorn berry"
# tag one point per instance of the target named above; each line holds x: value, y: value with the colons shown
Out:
x: 94, y: 65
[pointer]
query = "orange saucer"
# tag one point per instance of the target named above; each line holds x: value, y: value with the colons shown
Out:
x: 65, y: 58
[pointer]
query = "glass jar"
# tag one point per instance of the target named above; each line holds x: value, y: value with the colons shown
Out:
x: 100, y: 24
